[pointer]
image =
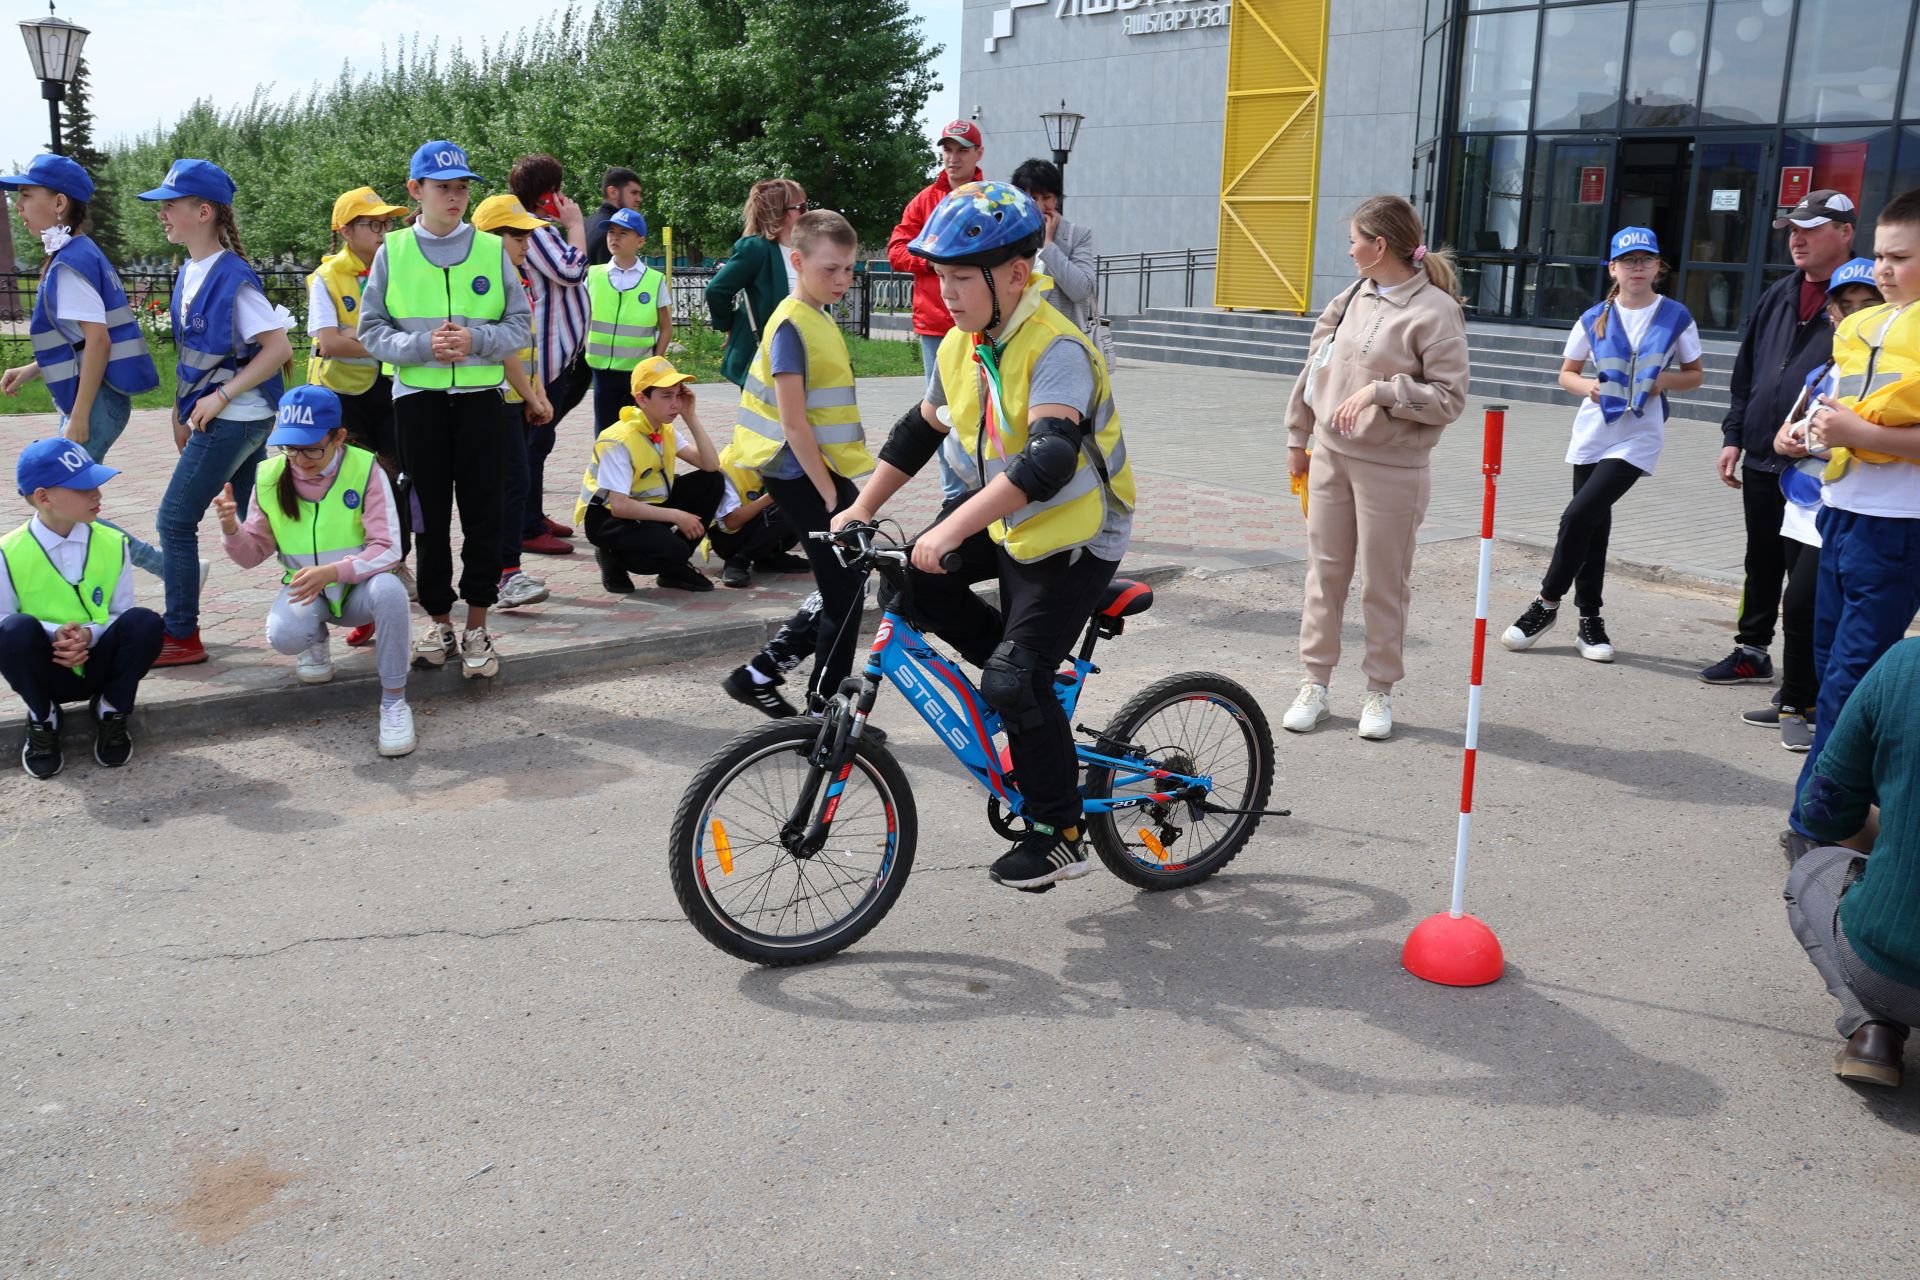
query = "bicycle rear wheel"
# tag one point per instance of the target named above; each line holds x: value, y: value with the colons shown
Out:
x: 738, y: 878
x: 1195, y: 723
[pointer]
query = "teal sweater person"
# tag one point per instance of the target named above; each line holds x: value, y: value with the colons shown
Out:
x: 754, y: 279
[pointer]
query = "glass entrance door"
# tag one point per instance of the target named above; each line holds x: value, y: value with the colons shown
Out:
x: 1726, y: 229
x: 1579, y: 178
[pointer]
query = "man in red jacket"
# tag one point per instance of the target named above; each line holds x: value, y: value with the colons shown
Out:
x: 960, y: 148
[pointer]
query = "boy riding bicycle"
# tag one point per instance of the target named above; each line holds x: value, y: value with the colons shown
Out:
x: 1022, y: 406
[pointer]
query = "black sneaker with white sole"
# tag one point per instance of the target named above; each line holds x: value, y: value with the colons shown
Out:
x: 1592, y: 640
x: 763, y: 698
x: 1043, y: 856
x: 40, y: 753
x: 613, y: 577
x: 112, y: 744
x: 1745, y: 665
x: 1531, y: 626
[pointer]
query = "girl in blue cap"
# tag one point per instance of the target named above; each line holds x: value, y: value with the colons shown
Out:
x: 87, y: 342
x: 326, y: 509
x: 233, y: 351
x: 1634, y: 337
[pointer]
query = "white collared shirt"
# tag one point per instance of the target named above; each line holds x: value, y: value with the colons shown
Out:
x: 69, y: 558
x: 625, y: 278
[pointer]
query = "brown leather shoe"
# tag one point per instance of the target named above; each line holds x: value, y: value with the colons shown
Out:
x: 1872, y: 1055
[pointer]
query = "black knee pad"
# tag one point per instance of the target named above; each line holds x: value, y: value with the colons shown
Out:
x: 1010, y: 682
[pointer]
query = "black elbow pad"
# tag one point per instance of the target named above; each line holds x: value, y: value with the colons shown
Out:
x: 1052, y: 455
x: 911, y: 443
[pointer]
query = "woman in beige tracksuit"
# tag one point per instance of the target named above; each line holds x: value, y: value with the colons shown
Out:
x: 1398, y: 375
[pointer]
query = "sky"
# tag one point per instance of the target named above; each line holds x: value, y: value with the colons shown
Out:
x: 148, y: 66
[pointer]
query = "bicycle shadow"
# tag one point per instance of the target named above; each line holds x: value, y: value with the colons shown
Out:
x: 1230, y: 956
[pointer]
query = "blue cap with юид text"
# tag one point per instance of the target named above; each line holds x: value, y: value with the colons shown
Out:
x: 201, y: 178
x: 59, y: 464
x: 1633, y: 240
x: 439, y: 161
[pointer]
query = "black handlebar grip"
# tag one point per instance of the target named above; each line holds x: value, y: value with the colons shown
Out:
x: 951, y: 562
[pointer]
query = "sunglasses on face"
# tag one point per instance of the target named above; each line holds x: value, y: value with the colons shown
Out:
x: 802, y: 207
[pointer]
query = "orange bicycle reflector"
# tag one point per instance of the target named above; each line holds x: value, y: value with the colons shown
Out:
x: 724, y: 849
x: 1147, y: 838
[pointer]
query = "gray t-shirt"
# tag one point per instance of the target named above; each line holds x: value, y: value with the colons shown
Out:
x: 788, y: 355
x: 1064, y: 375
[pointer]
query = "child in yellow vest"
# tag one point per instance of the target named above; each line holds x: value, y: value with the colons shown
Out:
x: 337, y: 361
x: 1035, y: 434
x: 69, y: 629
x: 630, y: 316
x: 748, y: 532
x: 325, y: 509
x: 642, y: 513
x: 799, y: 426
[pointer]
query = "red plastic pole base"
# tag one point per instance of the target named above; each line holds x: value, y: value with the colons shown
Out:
x: 1458, y: 952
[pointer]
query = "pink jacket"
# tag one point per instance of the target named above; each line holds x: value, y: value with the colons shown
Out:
x: 253, y: 542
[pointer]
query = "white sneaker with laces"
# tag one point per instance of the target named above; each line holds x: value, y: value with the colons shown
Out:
x: 1376, y: 716
x: 315, y: 666
x: 1308, y: 710
x: 477, y: 657
x: 435, y: 645
x: 396, y: 729
x: 520, y: 590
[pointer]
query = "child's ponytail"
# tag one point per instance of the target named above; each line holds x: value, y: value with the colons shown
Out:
x: 1606, y: 310
x: 227, y: 229
x: 283, y: 490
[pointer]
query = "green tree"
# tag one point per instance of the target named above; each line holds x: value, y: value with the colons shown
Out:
x: 77, y: 126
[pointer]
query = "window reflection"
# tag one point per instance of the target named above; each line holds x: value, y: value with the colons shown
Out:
x: 1746, y: 61
x: 1496, y: 72
x: 1489, y: 181
x: 1853, y: 161
x: 1846, y: 60
x: 1663, y: 67
x: 1580, y: 67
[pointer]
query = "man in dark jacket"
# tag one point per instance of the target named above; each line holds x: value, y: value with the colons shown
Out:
x: 621, y: 187
x: 1787, y: 338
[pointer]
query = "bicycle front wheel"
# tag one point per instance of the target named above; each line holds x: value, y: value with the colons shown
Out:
x: 737, y: 875
x: 1198, y: 724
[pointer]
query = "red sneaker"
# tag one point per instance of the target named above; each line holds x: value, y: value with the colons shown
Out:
x: 547, y: 545
x: 361, y: 636
x: 176, y: 652
x: 557, y: 529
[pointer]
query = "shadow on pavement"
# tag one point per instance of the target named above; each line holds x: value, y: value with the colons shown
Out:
x: 1655, y: 773
x: 251, y: 804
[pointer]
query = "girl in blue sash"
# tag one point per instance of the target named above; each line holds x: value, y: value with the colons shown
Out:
x: 1634, y: 338
x: 87, y: 343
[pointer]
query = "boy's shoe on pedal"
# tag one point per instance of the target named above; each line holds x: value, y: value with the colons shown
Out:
x: 40, y: 753
x: 612, y: 576
x: 1592, y: 640
x: 1745, y: 665
x: 1043, y: 856
x: 112, y: 744
x: 1308, y: 710
x: 1796, y: 730
x: 181, y: 651
x: 742, y: 688
x: 1530, y: 626
x: 478, y: 661
x: 736, y: 574
x: 684, y: 577
x: 1376, y: 716
x: 315, y: 663
x: 396, y: 729
x: 435, y: 645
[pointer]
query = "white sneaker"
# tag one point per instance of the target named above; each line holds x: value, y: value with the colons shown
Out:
x: 1308, y: 709
x: 315, y: 666
x: 1376, y: 716
x: 406, y: 580
x: 435, y: 645
x: 520, y: 590
x: 477, y: 658
x: 206, y: 571
x: 396, y: 729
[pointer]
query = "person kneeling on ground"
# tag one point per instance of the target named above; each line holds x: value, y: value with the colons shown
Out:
x: 639, y: 516
x: 69, y: 629
x: 326, y: 509
x: 748, y: 531
x: 1050, y: 504
x: 1857, y: 915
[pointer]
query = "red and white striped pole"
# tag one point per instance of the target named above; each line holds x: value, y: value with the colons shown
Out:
x: 1453, y: 947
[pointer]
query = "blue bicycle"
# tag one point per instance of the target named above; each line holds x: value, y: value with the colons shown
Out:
x: 797, y: 837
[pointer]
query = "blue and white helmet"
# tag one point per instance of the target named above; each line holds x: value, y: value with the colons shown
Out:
x: 981, y: 224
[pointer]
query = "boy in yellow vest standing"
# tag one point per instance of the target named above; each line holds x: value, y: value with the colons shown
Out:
x: 1035, y: 434
x: 69, y: 629
x: 443, y: 305
x: 630, y: 316
x: 799, y: 427
x: 361, y: 220
x: 641, y: 512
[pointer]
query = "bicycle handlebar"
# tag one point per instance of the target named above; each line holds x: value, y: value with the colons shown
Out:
x: 859, y: 539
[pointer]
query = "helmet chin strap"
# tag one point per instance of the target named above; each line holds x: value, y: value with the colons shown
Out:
x: 993, y: 322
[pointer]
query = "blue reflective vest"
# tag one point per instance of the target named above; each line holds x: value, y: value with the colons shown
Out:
x: 211, y: 352
x: 1627, y: 375
x: 56, y: 347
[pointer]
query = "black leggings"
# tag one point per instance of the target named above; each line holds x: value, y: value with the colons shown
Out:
x: 840, y: 587
x: 1580, y: 552
x: 1799, y: 682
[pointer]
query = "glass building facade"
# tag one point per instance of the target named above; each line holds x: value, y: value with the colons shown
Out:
x: 1542, y: 127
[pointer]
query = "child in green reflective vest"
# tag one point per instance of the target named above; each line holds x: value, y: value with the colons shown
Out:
x: 69, y: 630
x: 631, y: 316
x: 326, y: 510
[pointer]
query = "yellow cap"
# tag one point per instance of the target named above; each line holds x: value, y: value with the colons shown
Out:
x: 657, y: 371
x: 505, y: 213
x: 362, y: 202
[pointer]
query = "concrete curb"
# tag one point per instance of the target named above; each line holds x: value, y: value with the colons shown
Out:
x: 291, y: 702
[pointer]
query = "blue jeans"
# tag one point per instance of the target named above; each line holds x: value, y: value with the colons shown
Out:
x: 226, y: 452
x: 1868, y: 594
x: 111, y: 409
x: 951, y: 485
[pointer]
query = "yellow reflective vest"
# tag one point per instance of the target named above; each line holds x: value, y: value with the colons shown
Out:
x: 323, y: 532
x: 342, y: 275
x: 421, y: 297
x: 1073, y: 517
x: 1876, y: 373
x: 832, y: 410
x: 44, y: 594
x: 652, y: 450
x: 623, y: 324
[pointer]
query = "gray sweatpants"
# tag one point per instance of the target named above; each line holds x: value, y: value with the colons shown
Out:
x: 382, y: 600
x: 1814, y: 889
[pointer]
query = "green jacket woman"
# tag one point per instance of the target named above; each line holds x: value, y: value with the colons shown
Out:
x: 755, y: 277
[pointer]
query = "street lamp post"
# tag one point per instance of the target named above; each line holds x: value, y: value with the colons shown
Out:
x: 1062, y: 127
x: 54, y: 45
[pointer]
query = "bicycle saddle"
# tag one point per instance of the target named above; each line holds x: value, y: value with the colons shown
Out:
x: 1125, y: 598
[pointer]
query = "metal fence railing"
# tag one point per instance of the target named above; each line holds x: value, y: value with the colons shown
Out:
x: 1125, y: 281
x: 150, y: 293
x: 873, y: 290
